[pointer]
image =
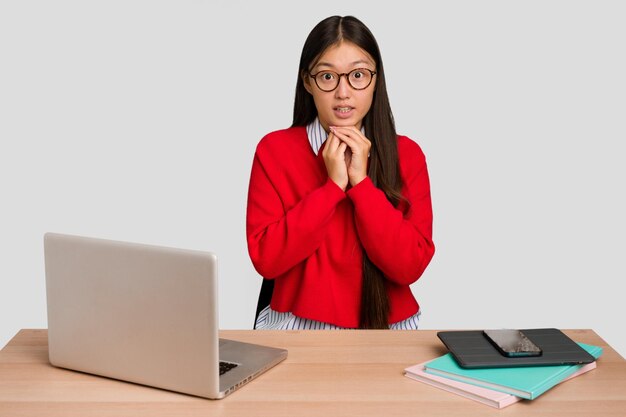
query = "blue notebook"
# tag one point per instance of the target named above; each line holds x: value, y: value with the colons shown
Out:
x: 525, y: 382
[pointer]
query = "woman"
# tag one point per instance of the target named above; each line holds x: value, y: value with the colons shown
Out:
x: 339, y: 215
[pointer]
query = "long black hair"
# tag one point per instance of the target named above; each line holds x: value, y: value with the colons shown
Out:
x: 379, y: 128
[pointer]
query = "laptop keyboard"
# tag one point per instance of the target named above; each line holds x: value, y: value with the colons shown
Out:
x: 226, y: 366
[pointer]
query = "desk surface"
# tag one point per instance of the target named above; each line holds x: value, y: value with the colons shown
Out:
x: 328, y: 373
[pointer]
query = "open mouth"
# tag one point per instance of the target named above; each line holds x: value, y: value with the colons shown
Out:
x: 343, y: 109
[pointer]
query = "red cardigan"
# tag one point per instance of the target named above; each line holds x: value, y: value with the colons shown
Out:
x: 309, y: 235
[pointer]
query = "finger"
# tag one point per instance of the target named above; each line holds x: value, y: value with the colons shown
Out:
x: 330, y: 145
x: 335, y: 149
x: 353, y: 133
x: 357, y: 145
x: 343, y: 136
x: 349, y: 130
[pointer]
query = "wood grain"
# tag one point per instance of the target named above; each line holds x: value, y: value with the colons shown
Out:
x: 327, y: 373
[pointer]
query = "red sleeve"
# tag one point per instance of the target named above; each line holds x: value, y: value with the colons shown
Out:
x: 279, y: 239
x: 400, y: 245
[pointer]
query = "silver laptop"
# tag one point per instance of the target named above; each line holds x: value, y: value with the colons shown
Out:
x: 143, y: 314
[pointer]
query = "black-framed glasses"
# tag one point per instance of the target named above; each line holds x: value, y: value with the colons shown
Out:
x: 359, y: 79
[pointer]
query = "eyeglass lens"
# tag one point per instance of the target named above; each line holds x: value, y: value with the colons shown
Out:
x: 358, y: 79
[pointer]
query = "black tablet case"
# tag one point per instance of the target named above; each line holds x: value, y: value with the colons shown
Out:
x: 471, y: 349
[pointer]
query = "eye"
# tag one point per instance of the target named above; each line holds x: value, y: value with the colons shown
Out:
x: 327, y: 76
x: 358, y: 74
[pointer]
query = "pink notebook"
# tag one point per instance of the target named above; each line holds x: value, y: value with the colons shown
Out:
x: 486, y: 396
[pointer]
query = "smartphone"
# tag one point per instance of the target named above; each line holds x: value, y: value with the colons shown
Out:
x: 512, y: 343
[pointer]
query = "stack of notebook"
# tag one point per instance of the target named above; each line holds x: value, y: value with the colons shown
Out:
x: 497, y: 385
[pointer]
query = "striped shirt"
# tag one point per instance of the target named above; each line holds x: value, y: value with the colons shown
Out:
x: 270, y: 319
x: 273, y: 320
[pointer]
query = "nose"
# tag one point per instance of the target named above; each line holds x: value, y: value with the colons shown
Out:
x: 343, y: 89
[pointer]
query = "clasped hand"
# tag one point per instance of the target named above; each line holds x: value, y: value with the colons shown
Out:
x: 345, y: 155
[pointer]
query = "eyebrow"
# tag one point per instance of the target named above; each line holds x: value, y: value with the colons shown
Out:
x: 328, y: 64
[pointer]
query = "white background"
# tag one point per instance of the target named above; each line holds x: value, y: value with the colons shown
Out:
x: 138, y: 120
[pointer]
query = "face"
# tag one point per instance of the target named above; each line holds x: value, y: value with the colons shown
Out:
x: 344, y: 106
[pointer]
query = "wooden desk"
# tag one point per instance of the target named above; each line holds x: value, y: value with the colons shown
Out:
x: 327, y: 373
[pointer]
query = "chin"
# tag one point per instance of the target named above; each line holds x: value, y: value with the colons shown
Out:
x: 347, y: 122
